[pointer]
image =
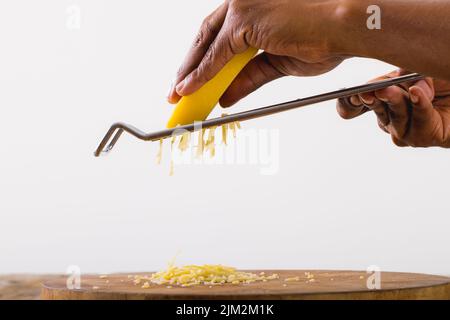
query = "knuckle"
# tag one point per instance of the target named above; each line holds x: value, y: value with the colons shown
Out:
x: 209, y: 55
x: 237, y: 11
x: 346, y: 110
x: 398, y: 142
x: 207, y: 25
x: 180, y: 72
x: 382, y: 126
x: 191, y: 76
x: 247, y: 34
x: 199, y: 75
x: 234, y: 5
x: 199, y: 39
x: 206, y: 29
x: 205, y: 70
x: 343, y: 112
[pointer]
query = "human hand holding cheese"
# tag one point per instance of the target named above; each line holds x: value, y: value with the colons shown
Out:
x: 221, y: 50
x: 303, y: 38
x: 198, y: 105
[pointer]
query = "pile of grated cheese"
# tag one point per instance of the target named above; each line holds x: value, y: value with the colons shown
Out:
x: 209, y: 275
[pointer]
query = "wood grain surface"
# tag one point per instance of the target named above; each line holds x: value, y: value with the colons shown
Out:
x: 23, y: 286
x: 327, y: 285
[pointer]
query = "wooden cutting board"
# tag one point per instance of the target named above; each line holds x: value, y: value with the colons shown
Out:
x: 327, y: 285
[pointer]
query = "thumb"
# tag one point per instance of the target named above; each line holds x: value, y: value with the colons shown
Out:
x: 259, y: 71
x: 423, y: 110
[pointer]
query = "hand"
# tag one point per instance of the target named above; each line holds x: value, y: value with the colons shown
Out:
x: 414, y: 114
x: 293, y: 34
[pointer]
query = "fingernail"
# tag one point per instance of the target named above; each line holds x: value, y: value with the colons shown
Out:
x: 354, y: 100
x: 414, y: 98
x: 169, y: 92
x: 180, y: 86
x: 368, y: 100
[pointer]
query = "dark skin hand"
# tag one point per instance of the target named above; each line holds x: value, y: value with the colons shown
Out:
x: 414, y: 114
x: 306, y: 38
x: 237, y: 25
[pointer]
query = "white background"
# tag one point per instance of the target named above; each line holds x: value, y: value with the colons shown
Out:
x: 345, y: 197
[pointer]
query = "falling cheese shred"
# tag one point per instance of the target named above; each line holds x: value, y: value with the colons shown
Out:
x: 184, y: 141
x: 206, y: 142
x: 160, y: 150
x: 233, y: 128
x: 210, y: 145
x: 200, y: 143
x: 208, y: 275
x: 172, y: 142
x: 224, y: 134
x: 224, y: 131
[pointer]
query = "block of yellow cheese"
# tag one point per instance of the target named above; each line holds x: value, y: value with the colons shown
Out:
x: 197, y: 106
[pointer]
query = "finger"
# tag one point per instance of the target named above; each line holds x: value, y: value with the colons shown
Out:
x: 349, y: 108
x: 354, y: 107
x: 259, y: 71
x: 423, y: 111
x: 356, y: 101
x: 403, y: 72
x: 382, y: 126
x: 206, y: 35
x: 399, y: 109
x: 382, y: 114
x: 221, y: 51
x: 398, y: 142
x: 377, y: 106
x: 426, y: 87
x: 367, y: 98
x: 381, y: 111
x: 406, y: 85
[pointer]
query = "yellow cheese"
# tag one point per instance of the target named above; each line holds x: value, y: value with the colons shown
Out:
x: 210, y: 142
x: 200, y: 143
x: 224, y: 134
x: 159, y: 155
x: 206, y: 143
x: 292, y: 279
x: 205, y: 275
x: 197, y: 106
x: 184, y: 141
x: 233, y: 128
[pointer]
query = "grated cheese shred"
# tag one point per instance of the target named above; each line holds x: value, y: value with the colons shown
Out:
x: 210, y: 142
x: 184, y: 141
x: 293, y: 279
x: 201, y: 143
x: 233, y: 128
x: 224, y: 134
x: 208, y: 275
x: 160, y: 150
x: 206, y: 142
